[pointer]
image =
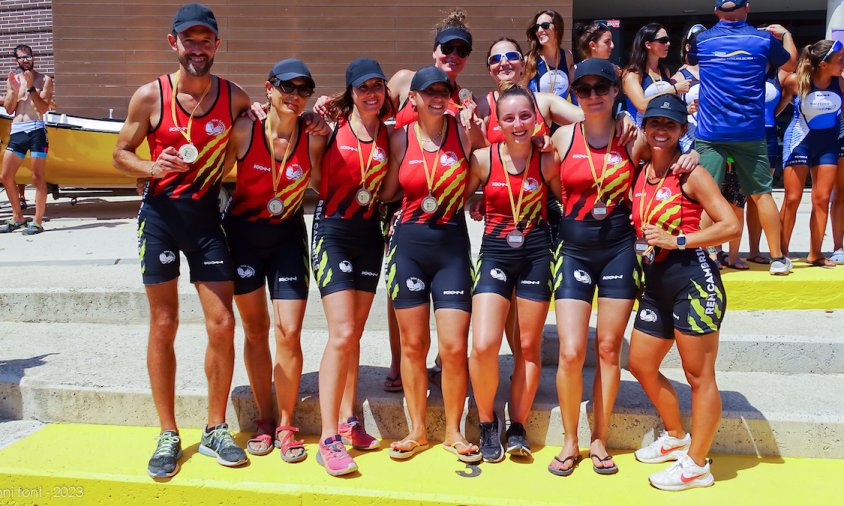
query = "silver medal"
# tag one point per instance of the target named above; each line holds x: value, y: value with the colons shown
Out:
x: 599, y: 210
x: 644, y: 250
x: 363, y: 197
x: 275, y: 206
x: 515, y: 239
x: 188, y: 153
x: 430, y: 204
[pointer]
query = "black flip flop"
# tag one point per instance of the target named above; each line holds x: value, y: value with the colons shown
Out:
x: 603, y: 470
x: 565, y: 472
x: 758, y: 259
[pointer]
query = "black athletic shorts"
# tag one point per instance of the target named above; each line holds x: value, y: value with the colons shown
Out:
x: 613, y: 269
x: 500, y: 268
x: 168, y: 226
x: 34, y: 141
x: 682, y: 292
x: 277, y: 253
x: 346, y: 254
x: 428, y: 260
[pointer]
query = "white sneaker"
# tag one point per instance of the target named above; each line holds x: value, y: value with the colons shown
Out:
x: 837, y: 256
x: 665, y: 448
x: 682, y: 475
x: 780, y: 266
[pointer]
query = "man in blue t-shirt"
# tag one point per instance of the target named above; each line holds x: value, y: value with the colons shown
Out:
x: 733, y: 58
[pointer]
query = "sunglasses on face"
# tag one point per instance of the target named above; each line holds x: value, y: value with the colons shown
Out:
x: 510, y: 55
x: 836, y: 46
x: 545, y: 26
x: 288, y: 87
x: 601, y: 89
x: 462, y: 51
x: 24, y: 58
x: 662, y: 40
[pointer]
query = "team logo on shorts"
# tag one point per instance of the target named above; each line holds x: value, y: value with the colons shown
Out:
x: 448, y: 159
x: 167, y: 257
x: 215, y: 127
x: 498, y: 274
x: 346, y: 266
x: 245, y: 271
x: 531, y: 185
x: 415, y: 284
x: 379, y: 155
x: 646, y: 315
x: 583, y: 277
x: 294, y: 172
x: 663, y: 194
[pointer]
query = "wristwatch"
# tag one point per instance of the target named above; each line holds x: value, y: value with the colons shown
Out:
x: 681, y: 241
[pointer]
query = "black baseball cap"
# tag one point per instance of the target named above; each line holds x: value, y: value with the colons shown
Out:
x: 190, y: 15
x: 667, y: 106
x: 596, y: 67
x: 289, y: 69
x: 453, y: 33
x: 362, y: 70
x: 427, y: 76
x: 731, y: 5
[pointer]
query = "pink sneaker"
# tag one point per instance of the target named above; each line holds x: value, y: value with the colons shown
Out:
x: 355, y: 435
x: 333, y: 457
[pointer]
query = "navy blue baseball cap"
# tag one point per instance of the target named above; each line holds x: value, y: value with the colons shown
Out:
x: 667, y: 106
x: 190, y: 15
x: 289, y: 69
x: 729, y: 5
x: 453, y: 33
x: 362, y: 70
x: 598, y: 67
x: 427, y: 76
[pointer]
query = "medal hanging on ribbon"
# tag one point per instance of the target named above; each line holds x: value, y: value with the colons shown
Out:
x: 363, y: 196
x: 429, y: 203
x: 275, y: 206
x: 599, y: 208
x: 641, y: 246
x: 516, y: 238
x: 187, y: 152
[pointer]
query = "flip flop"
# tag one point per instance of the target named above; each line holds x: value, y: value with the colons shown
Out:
x: 739, y: 265
x: 468, y: 457
x: 603, y: 470
x: 399, y: 454
x: 758, y: 259
x: 393, y: 384
x: 261, y: 442
x: 554, y: 466
x: 822, y: 262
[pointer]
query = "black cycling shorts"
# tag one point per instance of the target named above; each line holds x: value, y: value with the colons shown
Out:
x: 500, y: 269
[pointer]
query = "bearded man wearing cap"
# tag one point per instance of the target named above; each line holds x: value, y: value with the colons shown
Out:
x: 733, y: 58
x: 186, y: 117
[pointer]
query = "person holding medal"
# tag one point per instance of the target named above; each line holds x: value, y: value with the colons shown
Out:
x: 277, y: 160
x: 683, y: 299
x: 347, y: 250
x: 186, y: 118
x: 515, y: 256
x: 428, y: 258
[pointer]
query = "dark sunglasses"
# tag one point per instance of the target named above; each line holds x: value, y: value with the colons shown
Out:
x: 661, y: 40
x: 510, y: 55
x: 462, y: 51
x: 288, y: 87
x: 545, y: 26
x: 24, y: 58
x: 601, y: 89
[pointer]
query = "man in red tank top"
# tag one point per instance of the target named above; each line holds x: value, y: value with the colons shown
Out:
x: 187, y: 118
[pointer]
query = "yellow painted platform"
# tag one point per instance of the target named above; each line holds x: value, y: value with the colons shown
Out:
x: 83, y: 464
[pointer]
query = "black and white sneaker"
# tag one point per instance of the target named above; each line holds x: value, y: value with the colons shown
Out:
x: 165, y: 460
x: 517, y: 443
x: 217, y: 442
x: 490, y: 445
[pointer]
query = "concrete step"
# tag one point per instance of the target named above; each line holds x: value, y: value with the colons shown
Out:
x: 76, y: 373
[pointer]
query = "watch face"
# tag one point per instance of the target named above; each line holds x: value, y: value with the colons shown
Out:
x: 681, y: 241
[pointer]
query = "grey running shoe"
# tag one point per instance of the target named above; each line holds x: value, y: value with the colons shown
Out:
x: 10, y: 226
x: 217, y: 442
x: 165, y: 460
x: 490, y: 444
x: 32, y: 229
x: 779, y: 266
x: 517, y: 444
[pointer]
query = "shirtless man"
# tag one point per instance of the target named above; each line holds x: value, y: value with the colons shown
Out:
x: 28, y: 96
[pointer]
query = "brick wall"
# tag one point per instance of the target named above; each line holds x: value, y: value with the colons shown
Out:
x: 26, y: 22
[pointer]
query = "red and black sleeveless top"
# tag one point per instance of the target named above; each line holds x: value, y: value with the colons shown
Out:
x: 493, y: 129
x: 579, y: 186
x: 498, y: 211
x: 666, y: 206
x: 341, y: 177
x: 209, y: 133
x: 450, y: 169
x: 255, y: 177
x: 407, y: 113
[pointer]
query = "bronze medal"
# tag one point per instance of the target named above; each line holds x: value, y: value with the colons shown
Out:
x: 363, y: 197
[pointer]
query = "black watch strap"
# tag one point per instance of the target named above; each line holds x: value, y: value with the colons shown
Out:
x: 31, y: 89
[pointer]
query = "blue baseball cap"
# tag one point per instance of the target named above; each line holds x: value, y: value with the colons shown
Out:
x: 362, y: 70
x: 190, y: 15
x: 729, y: 5
x: 289, y: 69
x: 597, y: 67
x: 453, y: 33
x: 427, y: 76
x: 667, y: 106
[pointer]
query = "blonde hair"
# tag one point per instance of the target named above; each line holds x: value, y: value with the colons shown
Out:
x: 810, y: 61
x: 453, y: 19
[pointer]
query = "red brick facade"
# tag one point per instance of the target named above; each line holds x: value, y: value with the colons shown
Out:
x: 27, y: 22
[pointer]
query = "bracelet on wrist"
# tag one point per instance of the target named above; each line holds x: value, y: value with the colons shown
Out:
x: 152, y: 169
x: 675, y: 89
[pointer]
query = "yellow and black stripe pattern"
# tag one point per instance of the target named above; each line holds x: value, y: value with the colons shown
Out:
x: 706, y: 308
x: 390, y: 272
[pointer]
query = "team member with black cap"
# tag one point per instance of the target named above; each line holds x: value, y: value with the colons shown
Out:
x: 347, y: 250
x: 265, y: 224
x: 428, y: 258
x: 683, y: 300
x: 186, y: 117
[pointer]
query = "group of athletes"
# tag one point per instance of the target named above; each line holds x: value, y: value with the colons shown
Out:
x: 576, y: 199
